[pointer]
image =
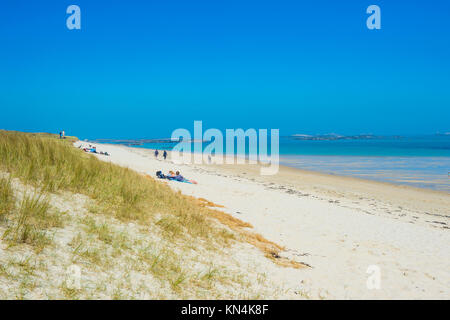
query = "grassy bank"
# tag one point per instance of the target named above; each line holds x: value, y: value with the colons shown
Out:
x: 53, y: 165
x: 154, y: 230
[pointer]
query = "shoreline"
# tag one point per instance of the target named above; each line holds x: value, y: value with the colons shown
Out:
x: 293, y: 169
x: 333, y: 186
x: 326, y: 220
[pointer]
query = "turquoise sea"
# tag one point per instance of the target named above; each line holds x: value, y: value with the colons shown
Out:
x: 419, y: 161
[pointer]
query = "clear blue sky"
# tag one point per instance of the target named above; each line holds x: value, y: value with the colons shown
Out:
x: 144, y: 68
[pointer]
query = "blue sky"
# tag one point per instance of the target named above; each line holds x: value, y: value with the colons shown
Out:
x: 140, y: 69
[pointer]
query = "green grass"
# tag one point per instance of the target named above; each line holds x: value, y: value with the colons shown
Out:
x: 47, y: 168
x: 30, y: 222
x: 55, y: 165
x: 52, y: 165
x: 7, y: 201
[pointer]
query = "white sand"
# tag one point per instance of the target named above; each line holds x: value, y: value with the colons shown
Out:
x: 339, y: 226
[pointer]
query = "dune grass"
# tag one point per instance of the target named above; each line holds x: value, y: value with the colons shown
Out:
x: 29, y: 222
x: 7, y: 202
x: 53, y: 165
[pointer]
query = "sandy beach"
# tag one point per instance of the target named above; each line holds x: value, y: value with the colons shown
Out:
x: 339, y: 226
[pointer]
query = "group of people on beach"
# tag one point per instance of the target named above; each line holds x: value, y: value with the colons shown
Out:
x: 62, y: 134
x: 164, y: 154
x: 176, y: 176
x: 93, y: 149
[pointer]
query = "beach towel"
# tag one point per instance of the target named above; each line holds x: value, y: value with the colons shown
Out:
x: 178, y: 178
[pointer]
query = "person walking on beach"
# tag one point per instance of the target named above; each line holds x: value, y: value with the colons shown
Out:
x: 63, y: 134
x: 60, y: 134
x: 156, y: 153
x: 165, y: 154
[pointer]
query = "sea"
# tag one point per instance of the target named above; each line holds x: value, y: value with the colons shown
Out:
x: 418, y: 161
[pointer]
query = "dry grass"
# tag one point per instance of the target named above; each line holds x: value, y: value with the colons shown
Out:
x: 7, y: 201
x: 53, y: 165
x: 30, y: 222
x: 206, y: 203
x: 270, y: 249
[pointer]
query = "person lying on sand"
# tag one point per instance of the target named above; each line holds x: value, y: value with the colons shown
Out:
x: 174, y: 176
x: 171, y: 175
x: 178, y: 176
x: 94, y: 150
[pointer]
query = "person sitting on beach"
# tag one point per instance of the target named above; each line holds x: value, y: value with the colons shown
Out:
x: 174, y: 176
x: 93, y: 149
x: 171, y: 175
x: 178, y: 176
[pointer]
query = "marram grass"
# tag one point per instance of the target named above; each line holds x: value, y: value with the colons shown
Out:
x: 53, y: 165
x: 7, y: 201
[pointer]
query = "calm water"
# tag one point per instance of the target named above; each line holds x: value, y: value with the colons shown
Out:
x: 421, y: 161
x: 422, y: 172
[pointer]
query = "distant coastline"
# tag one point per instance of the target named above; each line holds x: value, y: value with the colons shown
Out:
x: 333, y: 136
x: 422, y: 162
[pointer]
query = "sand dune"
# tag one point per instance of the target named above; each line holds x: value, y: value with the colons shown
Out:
x: 340, y: 226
